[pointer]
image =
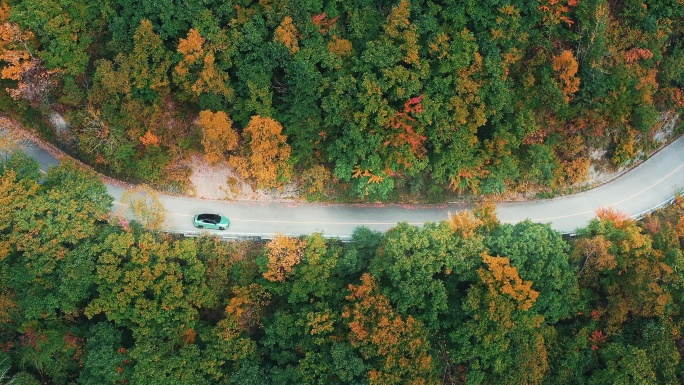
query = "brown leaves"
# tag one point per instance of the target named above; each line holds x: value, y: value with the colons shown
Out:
x: 636, y: 54
x: 33, y: 80
x: 597, y: 258
x: 405, y: 133
x: 149, y: 139
x: 323, y: 22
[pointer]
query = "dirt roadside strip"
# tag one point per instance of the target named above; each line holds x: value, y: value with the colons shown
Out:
x: 645, y: 187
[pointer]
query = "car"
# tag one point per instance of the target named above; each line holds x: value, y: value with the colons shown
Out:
x: 211, y: 221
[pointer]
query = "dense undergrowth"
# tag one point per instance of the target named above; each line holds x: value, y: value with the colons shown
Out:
x: 362, y: 99
x: 86, y: 298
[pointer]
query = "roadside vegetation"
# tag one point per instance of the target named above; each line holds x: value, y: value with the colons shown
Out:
x: 354, y: 99
x: 87, y: 297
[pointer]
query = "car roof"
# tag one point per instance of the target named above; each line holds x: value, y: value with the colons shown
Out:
x: 215, y: 217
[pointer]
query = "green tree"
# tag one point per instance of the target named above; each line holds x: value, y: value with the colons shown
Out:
x: 148, y: 64
x: 65, y: 30
x: 153, y: 287
x: 541, y: 256
x: 50, y: 237
x: 105, y: 360
x: 415, y: 266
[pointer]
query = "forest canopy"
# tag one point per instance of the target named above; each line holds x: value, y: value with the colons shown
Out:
x: 375, y: 98
x: 465, y: 301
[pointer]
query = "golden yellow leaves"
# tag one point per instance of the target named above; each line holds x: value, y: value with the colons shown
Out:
x: 191, y: 46
x: 555, y: 11
x: 379, y: 331
x: 286, y: 33
x: 358, y: 172
x: 398, y: 19
x: 218, y: 135
x: 145, y: 205
x: 566, y: 67
x: 315, y: 179
x: 150, y: 139
x: 264, y: 157
x: 197, y: 72
x: 283, y: 254
x: 247, y: 305
x: 340, y: 47
x: 463, y: 223
x: 269, y: 154
x: 14, y: 47
x: 502, y: 278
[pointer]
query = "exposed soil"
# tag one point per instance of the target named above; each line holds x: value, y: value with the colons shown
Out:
x: 220, y: 181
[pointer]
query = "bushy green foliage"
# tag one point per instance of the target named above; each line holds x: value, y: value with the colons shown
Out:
x: 457, y: 95
x: 467, y: 300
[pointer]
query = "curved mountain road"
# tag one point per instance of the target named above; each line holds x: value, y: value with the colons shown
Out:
x: 643, y: 188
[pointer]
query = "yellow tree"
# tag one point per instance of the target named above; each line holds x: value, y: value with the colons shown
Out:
x: 14, y: 196
x: 269, y: 153
x: 218, y: 135
x: 501, y: 338
x: 286, y: 33
x: 247, y: 306
x: 145, y: 205
x: 566, y: 68
x: 396, y: 348
x: 620, y: 263
x: 283, y: 254
x: 33, y: 80
x: 197, y: 72
x: 502, y: 278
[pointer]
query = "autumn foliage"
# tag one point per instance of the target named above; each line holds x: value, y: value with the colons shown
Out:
x: 449, y: 302
x: 219, y: 137
x: 566, y: 67
x: 197, y: 72
x: 283, y: 254
x: 286, y: 33
x: 399, y: 344
x: 503, y: 278
x: 269, y: 153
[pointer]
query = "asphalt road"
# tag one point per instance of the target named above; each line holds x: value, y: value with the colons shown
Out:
x: 650, y: 184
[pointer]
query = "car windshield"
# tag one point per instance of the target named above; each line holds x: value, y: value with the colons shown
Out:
x: 209, y: 217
